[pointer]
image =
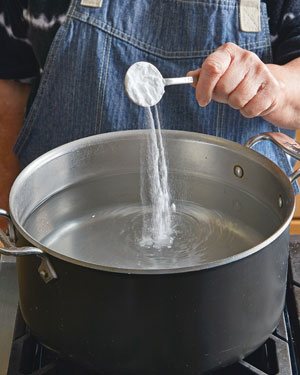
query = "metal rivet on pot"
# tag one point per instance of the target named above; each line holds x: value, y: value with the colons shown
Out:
x: 43, y: 274
x: 280, y: 201
x: 238, y: 171
x: 46, y: 271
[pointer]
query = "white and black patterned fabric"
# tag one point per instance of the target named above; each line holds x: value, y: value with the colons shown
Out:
x: 27, y: 28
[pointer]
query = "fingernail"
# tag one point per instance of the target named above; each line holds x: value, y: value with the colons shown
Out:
x: 202, y: 104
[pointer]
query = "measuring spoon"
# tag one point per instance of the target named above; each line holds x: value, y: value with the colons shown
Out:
x: 145, y: 85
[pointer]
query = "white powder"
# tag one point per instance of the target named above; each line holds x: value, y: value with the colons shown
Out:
x: 145, y: 87
x: 144, y: 84
x: 158, y: 231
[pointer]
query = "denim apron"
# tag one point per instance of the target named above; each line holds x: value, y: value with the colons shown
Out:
x: 81, y: 91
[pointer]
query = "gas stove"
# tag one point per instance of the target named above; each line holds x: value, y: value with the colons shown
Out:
x: 21, y: 354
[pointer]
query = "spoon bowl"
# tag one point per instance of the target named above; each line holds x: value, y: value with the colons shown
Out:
x: 145, y: 86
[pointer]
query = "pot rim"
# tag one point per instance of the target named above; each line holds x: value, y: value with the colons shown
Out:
x: 83, y: 142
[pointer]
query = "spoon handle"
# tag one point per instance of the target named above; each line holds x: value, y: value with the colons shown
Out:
x: 179, y: 80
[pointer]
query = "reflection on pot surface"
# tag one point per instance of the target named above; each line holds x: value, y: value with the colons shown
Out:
x: 109, y: 232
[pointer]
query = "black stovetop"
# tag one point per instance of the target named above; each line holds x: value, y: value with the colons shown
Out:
x: 280, y: 355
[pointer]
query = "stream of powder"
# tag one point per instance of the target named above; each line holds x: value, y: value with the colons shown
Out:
x: 157, y: 227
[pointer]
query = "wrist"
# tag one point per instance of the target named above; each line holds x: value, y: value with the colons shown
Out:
x: 286, y: 111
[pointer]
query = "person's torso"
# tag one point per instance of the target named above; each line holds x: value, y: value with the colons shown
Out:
x: 81, y: 90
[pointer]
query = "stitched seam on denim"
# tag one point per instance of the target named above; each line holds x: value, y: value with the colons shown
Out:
x: 222, y: 120
x: 267, y: 34
x: 99, y: 85
x: 35, y: 110
x: 221, y: 3
x: 267, y: 30
x: 114, y: 31
x: 217, y: 120
x: 104, y: 84
x: 167, y: 54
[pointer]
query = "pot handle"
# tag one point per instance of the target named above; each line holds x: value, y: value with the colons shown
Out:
x: 283, y: 141
x: 7, y: 246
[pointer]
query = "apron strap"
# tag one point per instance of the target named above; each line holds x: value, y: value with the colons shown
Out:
x: 250, y: 15
x: 92, y: 3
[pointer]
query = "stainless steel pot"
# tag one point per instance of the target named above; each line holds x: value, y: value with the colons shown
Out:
x: 115, y: 316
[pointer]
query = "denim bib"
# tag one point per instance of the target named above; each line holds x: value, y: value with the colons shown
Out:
x: 81, y: 91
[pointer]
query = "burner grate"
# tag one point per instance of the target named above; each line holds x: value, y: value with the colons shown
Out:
x: 276, y: 362
x: 272, y: 358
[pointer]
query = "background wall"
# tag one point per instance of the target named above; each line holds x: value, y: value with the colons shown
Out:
x: 295, y: 224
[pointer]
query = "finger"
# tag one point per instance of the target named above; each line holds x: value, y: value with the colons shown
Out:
x: 246, y: 90
x: 195, y: 74
x: 212, y: 69
x: 263, y: 102
x: 258, y: 81
x: 242, y: 67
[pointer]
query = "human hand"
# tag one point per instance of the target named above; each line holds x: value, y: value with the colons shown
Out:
x: 240, y: 79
